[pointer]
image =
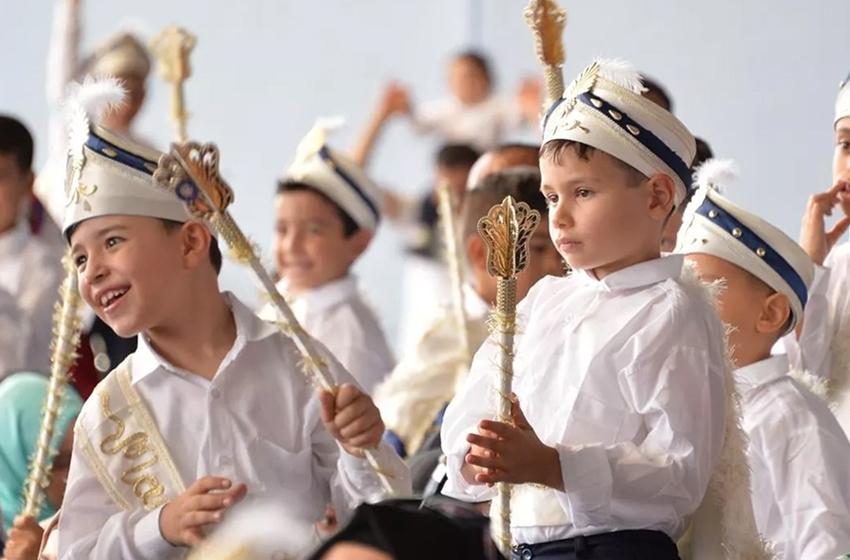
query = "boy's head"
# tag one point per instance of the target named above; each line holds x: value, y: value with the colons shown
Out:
x: 470, y: 78
x: 138, y: 253
x: 123, y: 57
x: 674, y: 224
x: 841, y: 158
x: 454, y: 162
x: 766, y: 274
x: 614, y: 166
x: 505, y: 156
x: 523, y: 184
x: 658, y: 94
x: 16, y: 176
x: 326, y: 211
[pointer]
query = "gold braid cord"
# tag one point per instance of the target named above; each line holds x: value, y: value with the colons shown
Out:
x: 547, y: 20
x: 191, y: 172
x: 66, y: 338
x: 172, y: 48
x: 448, y: 220
x: 506, y: 229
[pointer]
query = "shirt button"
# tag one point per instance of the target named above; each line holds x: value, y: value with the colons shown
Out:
x: 527, y: 554
x: 215, y: 393
x: 225, y: 460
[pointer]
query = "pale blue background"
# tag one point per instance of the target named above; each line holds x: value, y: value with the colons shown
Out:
x: 756, y: 78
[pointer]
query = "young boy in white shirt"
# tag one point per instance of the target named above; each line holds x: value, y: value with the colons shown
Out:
x: 326, y: 213
x: 213, y: 406
x: 619, y: 368
x: 797, y: 451
x: 821, y: 346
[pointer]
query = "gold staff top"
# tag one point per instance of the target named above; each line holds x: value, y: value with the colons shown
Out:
x: 547, y: 20
x: 172, y: 47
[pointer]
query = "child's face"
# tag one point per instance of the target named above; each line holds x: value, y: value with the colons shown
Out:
x: 309, y: 242
x: 741, y: 302
x: 841, y: 158
x: 129, y: 269
x: 601, y: 219
x: 467, y: 82
x: 455, y: 177
x: 14, y: 187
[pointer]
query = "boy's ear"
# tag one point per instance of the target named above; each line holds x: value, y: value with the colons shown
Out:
x: 662, y: 191
x: 360, y: 240
x: 476, y: 253
x: 195, y: 240
x: 775, y: 313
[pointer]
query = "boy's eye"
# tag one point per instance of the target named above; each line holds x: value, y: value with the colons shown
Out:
x: 844, y: 144
x: 113, y: 241
x: 583, y: 193
x: 79, y: 260
x: 551, y: 198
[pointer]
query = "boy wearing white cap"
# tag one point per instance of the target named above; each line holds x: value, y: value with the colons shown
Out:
x: 619, y: 370
x: 212, y: 406
x: 326, y: 212
x: 822, y: 346
x: 797, y: 451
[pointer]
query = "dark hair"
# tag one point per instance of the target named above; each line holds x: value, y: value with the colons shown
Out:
x: 16, y: 140
x: 654, y: 87
x: 349, y: 226
x: 457, y: 155
x: 523, y: 184
x: 215, y: 251
x: 479, y: 60
x: 554, y: 151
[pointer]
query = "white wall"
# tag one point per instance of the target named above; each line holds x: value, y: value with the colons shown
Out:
x: 756, y: 79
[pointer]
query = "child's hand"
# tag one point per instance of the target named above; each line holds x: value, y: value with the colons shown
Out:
x: 182, y: 521
x: 352, y: 418
x: 394, y: 100
x: 814, y: 238
x: 513, y: 453
x: 24, y: 539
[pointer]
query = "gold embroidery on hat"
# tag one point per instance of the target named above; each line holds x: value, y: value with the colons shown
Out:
x: 616, y: 115
x: 712, y: 213
x: 633, y: 129
x: 760, y: 252
x: 151, y: 167
x: 576, y: 124
x: 737, y: 232
x: 80, y: 191
x: 109, y: 152
x: 596, y: 103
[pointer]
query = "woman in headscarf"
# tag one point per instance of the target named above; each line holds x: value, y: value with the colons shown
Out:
x: 22, y: 397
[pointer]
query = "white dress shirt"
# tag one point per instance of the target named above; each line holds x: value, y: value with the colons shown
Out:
x: 484, y: 126
x: 823, y: 348
x: 256, y: 422
x: 625, y: 378
x: 426, y: 376
x: 337, y: 316
x: 800, y: 460
x: 30, y: 272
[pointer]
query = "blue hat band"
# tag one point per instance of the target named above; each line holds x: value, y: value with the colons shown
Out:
x: 326, y: 156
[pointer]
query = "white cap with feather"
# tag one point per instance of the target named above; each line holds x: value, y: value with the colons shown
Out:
x: 107, y: 174
x: 335, y: 175
x: 121, y: 55
x: 842, y: 103
x: 604, y: 108
x: 713, y: 225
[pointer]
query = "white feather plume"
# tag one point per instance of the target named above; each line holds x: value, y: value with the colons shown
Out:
x: 716, y: 174
x: 88, y: 102
x: 316, y: 138
x: 621, y: 72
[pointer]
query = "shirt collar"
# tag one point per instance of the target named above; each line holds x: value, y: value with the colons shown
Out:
x: 639, y: 275
x: 249, y: 328
x: 325, y: 296
x: 753, y: 376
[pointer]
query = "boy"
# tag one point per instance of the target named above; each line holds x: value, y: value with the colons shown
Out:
x: 424, y: 380
x: 797, y: 451
x: 213, y: 406
x: 821, y: 347
x: 30, y: 266
x: 619, y: 367
x: 327, y: 211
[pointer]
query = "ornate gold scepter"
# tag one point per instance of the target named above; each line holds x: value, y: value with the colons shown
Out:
x: 506, y: 229
x: 190, y: 170
x: 547, y: 20
x: 448, y: 221
x: 66, y: 338
x: 172, y: 48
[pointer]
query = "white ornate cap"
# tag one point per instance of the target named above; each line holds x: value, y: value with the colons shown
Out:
x: 604, y: 108
x: 713, y: 225
x: 336, y: 176
x: 842, y: 103
x: 120, y: 55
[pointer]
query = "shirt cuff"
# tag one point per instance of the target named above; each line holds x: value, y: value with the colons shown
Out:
x: 587, y: 483
x: 361, y: 474
x: 456, y: 485
x: 148, y: 538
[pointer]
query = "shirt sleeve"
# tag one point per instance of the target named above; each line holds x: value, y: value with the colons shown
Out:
x: 433, y: 117
x: 14, y: 335
x: 94, y: 527
x: 810, y: 352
